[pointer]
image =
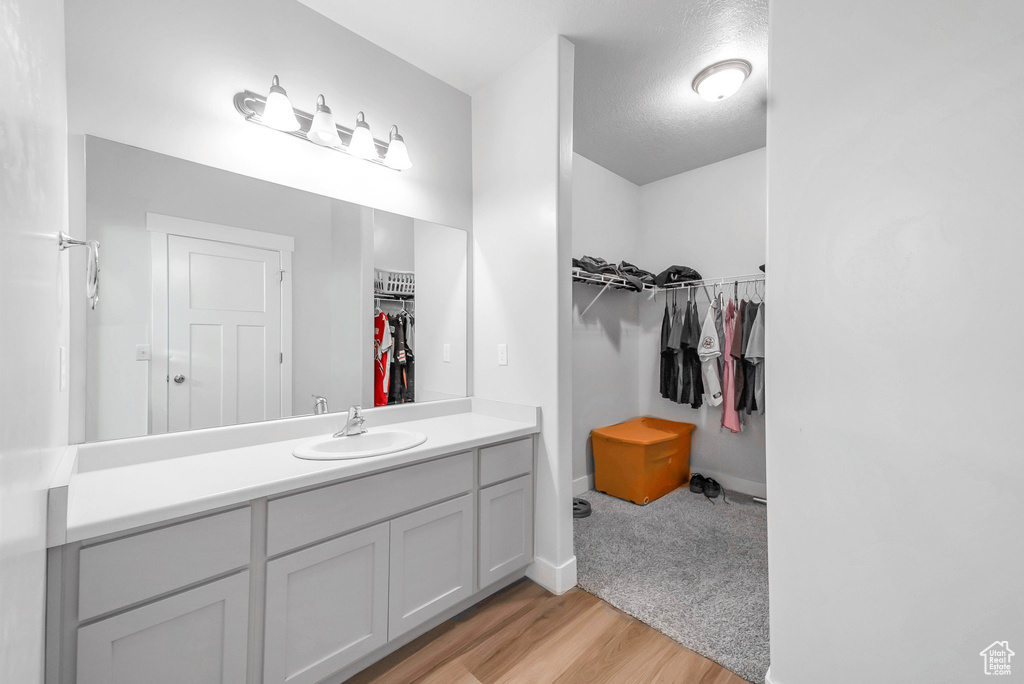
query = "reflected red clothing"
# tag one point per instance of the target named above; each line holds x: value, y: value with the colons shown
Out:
x: 382, y: 345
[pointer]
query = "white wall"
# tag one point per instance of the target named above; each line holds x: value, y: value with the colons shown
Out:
x: 894, y: 245
x: 605, y: 343
x: 713, y: 219
x: 393, y: 244
x: 123, y: 184
x: 522, y: 218
x: 441, y: 311
x: 162, y: 75
x: 34, y: 315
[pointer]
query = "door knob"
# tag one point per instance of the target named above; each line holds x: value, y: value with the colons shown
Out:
x: 179, y: 379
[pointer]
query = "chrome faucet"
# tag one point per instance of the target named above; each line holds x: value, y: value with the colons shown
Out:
x: 354, y: 424
x: 319, y: 405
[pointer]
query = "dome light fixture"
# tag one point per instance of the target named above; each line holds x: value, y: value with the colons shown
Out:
x: 278, y: 112
x: 362, y: 144
x: 397, y: 156
x: 722, y: 79
x: 323, y: 130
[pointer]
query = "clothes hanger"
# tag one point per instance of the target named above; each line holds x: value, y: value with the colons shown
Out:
x: 757, y: 294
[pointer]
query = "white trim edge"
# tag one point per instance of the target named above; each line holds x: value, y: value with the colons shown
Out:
x: 768, y: 677
x: 160, y: 223
x: 582, y: 485
x: 737, y: 484
x: 556, y: 579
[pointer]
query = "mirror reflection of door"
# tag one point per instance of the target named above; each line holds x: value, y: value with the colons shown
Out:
x: 224, y: 333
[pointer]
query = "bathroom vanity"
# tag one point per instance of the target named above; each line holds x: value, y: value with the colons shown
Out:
x: 218, y: 557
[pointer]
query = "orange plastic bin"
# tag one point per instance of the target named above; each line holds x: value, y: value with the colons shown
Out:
x: 642, y: 459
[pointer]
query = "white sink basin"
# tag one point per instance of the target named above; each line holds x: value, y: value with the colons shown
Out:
x: 373, y: 442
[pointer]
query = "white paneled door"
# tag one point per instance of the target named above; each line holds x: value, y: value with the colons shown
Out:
x: 224, y: 333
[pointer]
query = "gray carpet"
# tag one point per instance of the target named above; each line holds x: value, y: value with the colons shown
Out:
x: 697, y: 572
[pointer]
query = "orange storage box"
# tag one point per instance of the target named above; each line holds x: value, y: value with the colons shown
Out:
x: 642, y: 459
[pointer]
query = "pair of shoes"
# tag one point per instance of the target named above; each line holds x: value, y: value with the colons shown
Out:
x: 707, y: 486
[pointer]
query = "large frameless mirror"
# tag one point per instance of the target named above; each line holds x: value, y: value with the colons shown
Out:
x: 224, y: 299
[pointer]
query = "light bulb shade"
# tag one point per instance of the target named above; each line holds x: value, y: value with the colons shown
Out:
x: 278, y: 112
x: 397, y: 156
x: 721, y: 80
x: 323, y: 130
x: 362, y: 144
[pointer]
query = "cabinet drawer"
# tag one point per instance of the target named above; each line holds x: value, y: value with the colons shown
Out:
x: 301, y: 519
x: 505, y: 461
x: 119, y: 573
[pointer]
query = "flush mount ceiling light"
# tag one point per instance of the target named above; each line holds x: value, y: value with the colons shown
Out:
x: 362, y: 145
x: 721, y: 80
x: 323, y: 130
x: 397, y: 156
x: 275, y: 111
x: 278, y: 112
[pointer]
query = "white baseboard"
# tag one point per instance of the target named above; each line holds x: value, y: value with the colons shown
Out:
x: 584, y: 484
x: 557, y: 579
x: 736, y: 484
x: 581, y: 485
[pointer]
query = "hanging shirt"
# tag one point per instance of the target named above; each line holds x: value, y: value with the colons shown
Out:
x: 681, y: 386
x: 736, y: 351
x: 730, y: 418
x: 748, y: 400
x: 755, y: 355
x: 382, y: 343
x: 709, y: 351
x: 666, y: 374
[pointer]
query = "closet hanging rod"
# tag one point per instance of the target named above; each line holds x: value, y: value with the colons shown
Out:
x: 749, y: 278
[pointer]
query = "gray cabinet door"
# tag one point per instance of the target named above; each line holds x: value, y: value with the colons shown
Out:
x: 327, y: 606
x: 506, y: 528
x: 198, y: 636
x: 431, y: 563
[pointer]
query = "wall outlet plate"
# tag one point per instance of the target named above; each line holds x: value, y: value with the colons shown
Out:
x: 142, y: 352
x: 447, y: 353
x: 503, y: 354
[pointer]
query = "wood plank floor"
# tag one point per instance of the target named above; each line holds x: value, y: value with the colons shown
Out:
x: 524, y: 634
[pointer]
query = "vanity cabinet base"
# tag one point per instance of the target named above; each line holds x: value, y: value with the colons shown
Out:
x: 298, y: 589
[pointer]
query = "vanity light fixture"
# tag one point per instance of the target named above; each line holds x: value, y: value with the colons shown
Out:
x: 275, y: 111
x: 362, y: 145
x: 397, y: 156
x: 323, y: 130
x: 722, y: 79
x: 278, y: 112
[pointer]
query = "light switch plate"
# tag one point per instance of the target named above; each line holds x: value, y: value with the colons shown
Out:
x: 142, y: 352
x: 503, y: 354
x: 447, y: 353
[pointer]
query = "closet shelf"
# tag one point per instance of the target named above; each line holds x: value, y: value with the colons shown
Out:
x: 616, y: 282
x: 619, y: 283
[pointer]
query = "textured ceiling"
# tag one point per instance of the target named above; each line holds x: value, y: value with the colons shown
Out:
x: 635, y: 112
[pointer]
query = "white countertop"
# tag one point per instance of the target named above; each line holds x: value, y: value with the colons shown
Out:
x: 115, y: 499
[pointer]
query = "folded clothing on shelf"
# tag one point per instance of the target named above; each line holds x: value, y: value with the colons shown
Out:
x: 676, y: 274
x: 595, y: 265
x: 634, y: 276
